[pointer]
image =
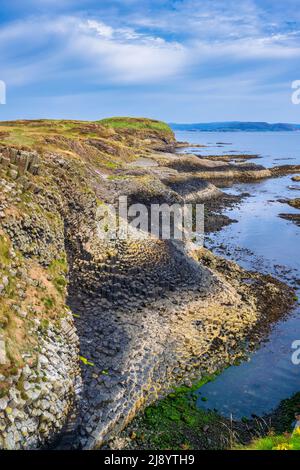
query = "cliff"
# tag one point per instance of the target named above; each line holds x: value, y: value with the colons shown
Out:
x: 91, y: 331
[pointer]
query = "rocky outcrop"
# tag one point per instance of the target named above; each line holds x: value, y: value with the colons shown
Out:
x: 39, y: 347
x: 211, y: 169
x: 18, y: 162
x: 285, y: 170
x: 37, y: 400
x: 138, y: 316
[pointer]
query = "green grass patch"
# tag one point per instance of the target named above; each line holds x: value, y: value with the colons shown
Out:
x: 86, y: 362
x: 58, y: 270
x: 175, y: 420
x: 4, y: 251
x: 112, y: 165
x: 280, y: 437
x: 118, y: 177
x: 49, y: 302
x: 60, y: 283
x: 135, y: 123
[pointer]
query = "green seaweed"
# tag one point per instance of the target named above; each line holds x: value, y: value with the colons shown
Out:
x: 167, y: 423
x: 85, y: 361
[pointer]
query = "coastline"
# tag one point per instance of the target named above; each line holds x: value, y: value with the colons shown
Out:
x: 148, y: 317
x: 189, y: 423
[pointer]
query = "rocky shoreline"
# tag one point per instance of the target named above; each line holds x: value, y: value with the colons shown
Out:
x: 141, y: 317
x: 176, y: 423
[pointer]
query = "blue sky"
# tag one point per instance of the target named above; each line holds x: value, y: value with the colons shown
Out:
x: 184, y: 60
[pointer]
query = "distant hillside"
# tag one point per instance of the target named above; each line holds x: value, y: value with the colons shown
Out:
x: 236, y: 126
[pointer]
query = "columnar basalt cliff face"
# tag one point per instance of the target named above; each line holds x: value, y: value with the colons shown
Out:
x: 39, y: 371
x: 91, y: 331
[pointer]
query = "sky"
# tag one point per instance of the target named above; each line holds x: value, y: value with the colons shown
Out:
x: 179, y: 61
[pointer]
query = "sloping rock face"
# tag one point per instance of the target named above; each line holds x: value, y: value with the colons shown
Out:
x: 150, y: 317
x: 39, y: 372
x: 92, y: 331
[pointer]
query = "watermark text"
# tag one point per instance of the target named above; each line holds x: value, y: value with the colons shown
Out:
x: 296, y: 353
x: 296, y: 93
x: 2, y: 92
x: 184, y: 222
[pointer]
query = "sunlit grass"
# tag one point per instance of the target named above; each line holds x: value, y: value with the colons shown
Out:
x: 135, y: 123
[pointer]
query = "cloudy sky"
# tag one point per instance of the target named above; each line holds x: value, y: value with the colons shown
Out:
x: 182, y: 60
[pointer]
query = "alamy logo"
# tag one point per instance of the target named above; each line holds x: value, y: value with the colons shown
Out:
x: 296, y: 354
x: 2, y: 92
x: 296, y: 94
x: 183, y: 222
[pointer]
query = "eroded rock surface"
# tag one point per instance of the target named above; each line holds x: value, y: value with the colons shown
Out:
x: 139, y: 317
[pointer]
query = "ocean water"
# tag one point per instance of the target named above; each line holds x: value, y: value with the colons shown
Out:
x: 261, y: 241
x: 274, y: 148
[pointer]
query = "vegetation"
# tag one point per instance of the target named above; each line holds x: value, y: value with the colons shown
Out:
x: 174, y: 422
x: 135, y: 123
x: 111, y: 165
x: 277, y: 442
x: 280, y: 436
x: 22, y: 302
x: 4, y: 250
x: 106, y: 144
x: 58, y: 270
x: 85, y: 361
x: 32, y: 133
x: 295, y: 203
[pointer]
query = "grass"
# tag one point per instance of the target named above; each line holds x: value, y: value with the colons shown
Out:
x: 92, y: 142
x: 85, y: 361
x: 135, y: 123
x: 31, y: 133
x: 58, y: 270
x: 280, y: 436
x: 277, y: 442
x: 118, y: 177
x: 49, y: 302
x: 112, y: 165
x: 174, y: 422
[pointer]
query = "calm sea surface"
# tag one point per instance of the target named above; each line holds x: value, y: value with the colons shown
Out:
x: 264, y: 242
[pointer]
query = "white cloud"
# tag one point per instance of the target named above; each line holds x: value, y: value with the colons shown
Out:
x: 99, y: 28
x: 124, y: 55
x: 94, y: 52
x: 261, y: 48
x: 92, y: 49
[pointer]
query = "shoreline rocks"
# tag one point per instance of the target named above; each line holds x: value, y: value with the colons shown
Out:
x: 146, y: 315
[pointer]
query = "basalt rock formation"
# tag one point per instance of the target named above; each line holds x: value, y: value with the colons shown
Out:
x: 93, y: 330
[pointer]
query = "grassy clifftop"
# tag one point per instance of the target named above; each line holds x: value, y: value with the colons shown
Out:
x: 32, y: 277
x: 136, y: 123
x: 34, y: 132
x: 104, y: 143
x: 57, y: 274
